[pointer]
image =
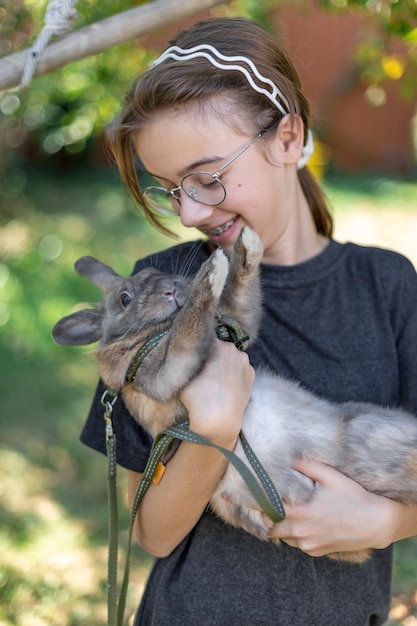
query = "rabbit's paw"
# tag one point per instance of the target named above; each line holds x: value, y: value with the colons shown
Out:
x: 253, y: 246
x: 218, y: 272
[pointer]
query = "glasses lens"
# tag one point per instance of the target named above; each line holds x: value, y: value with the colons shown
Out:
x: 159, y: 201
x: 203, y: 187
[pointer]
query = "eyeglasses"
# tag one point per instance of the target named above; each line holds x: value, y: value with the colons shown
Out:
x: 202, y: 187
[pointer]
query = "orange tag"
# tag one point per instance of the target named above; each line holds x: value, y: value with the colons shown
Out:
x: 159, y: 472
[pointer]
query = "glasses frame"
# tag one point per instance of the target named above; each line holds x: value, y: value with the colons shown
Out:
x: 175, y: 192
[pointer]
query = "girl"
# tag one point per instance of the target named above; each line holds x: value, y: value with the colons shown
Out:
x: 221, y: 125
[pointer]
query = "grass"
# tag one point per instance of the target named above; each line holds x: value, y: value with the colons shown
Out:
x: 53, y: 505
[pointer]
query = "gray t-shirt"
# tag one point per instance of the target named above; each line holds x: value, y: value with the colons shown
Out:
x: 344, y: 324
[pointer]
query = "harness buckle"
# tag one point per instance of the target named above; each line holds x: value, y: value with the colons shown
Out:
x: 108, y: 400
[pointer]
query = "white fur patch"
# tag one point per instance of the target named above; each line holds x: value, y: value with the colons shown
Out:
x: 253, y: 245
x: 218, y: 275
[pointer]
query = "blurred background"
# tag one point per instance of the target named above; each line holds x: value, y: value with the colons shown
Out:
x: 60, y: 198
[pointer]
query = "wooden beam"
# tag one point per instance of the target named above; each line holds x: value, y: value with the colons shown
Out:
x: 100, y: 36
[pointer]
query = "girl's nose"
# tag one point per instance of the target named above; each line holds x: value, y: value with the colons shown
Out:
x: 193, y: 213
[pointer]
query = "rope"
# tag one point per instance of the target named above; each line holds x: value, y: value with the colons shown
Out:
x: 59, y: 17
x: 260, y: 486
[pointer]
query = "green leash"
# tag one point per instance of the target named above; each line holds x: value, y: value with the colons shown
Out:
x: 112, y: 558
x: 258, y: 483
x: 229, y: 330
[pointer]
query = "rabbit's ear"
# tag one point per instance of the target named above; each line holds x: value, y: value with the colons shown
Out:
x: 79, y: 329
x: 100, y: 275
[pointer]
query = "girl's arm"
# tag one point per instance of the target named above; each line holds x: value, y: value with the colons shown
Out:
x: 216, y: 400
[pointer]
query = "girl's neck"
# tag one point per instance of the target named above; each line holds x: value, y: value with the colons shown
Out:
x: 299, y: 241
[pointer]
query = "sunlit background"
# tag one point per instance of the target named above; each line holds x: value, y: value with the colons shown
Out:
x: 60, y: 198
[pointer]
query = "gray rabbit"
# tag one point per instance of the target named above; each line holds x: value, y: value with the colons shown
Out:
x: 375, y: 446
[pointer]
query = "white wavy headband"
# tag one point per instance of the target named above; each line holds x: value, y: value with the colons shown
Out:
x: 269, y: 89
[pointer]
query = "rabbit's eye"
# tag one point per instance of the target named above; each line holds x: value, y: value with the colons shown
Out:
x: 125, y: 298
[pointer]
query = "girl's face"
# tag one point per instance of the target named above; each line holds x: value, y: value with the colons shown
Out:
x: 262, y: 189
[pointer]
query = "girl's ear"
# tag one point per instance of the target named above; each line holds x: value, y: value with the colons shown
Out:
x: 290, y: 139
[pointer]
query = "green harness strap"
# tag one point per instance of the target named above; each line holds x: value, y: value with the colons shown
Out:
x: 260, y: 485
x: 228, y: 329
x: 144, y: 351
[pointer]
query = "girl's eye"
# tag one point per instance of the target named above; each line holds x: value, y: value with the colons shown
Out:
x: 206, y: 181
x: 125, y: 299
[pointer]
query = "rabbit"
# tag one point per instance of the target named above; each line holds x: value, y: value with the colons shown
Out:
x: 375, y: 446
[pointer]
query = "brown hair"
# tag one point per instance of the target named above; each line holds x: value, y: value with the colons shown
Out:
x: 173, y: 84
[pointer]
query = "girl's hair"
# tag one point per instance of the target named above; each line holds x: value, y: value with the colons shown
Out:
x: 177, y: 84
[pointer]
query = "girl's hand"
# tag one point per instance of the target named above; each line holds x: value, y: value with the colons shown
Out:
x: 342, y: 515
x: 217, y: 397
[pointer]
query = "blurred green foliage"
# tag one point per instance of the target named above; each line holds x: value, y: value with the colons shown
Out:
x: 63, y: 110
x: 53, y: 511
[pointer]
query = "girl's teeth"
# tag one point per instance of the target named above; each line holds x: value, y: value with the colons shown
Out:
x: 221, y: 229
